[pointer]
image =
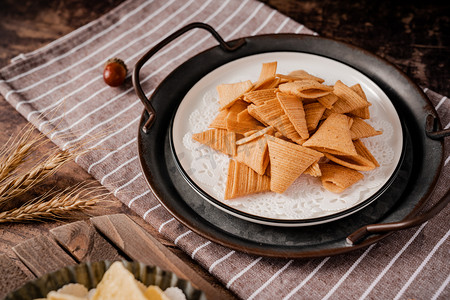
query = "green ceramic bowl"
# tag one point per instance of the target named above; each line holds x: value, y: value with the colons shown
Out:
x: 90, y: 274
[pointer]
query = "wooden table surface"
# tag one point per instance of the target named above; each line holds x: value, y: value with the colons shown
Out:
x: 411, y: 34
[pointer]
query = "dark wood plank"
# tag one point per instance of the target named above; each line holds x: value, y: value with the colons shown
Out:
x: 42, y: 255
x: 141, y: 246
x: 12, y: 276
x: 85, y: 243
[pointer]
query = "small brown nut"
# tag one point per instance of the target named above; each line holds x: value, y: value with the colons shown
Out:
x: 114, y: 72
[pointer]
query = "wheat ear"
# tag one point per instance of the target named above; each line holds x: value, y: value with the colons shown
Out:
x: 57, y: 207
x: 24, y: 182
x: 16, y: 151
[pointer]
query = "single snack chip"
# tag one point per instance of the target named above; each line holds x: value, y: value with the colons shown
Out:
x: 293, y: 108
x: 218, y: 139
x: 254, y: 154
x: 361, y: 129
x: 348, y: 100
x: 333, y: 136
x: 328, y: 100
x: 242, y: 180
x: 229, y: 93
x: 288, y: 162
x: 313, y: 112
x: 300, y: 75
x: 260, y: 96
x: 336, y: 178
x: 305, y: 88
x: 364, y: 112
x: 220, y: 121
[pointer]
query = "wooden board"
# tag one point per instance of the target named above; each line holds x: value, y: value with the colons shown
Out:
x: 42, y: 255
x: 12, y: 276
x: 84, y: 243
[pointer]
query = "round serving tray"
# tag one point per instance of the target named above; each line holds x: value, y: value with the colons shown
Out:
x: 402, y: 199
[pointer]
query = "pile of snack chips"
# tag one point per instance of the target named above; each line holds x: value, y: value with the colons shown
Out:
x: 117, y: 284
x: 283, y: 126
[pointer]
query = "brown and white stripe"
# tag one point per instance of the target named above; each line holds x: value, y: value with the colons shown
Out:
x: 59, y: 89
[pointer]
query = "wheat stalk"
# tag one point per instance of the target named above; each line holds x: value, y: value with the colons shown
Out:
x: 60, y: 204
x: 22, y: 183
x: 15, y: 151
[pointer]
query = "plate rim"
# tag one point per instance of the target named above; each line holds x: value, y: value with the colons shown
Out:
x: 288, y: 251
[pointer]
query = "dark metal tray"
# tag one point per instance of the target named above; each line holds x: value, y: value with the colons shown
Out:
x: 395, y: 209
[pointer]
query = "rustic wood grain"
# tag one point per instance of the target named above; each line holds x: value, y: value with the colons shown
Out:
x: 141, y: 246
x: 42, y: 255
x: 12, y: 276
x: 85, y: 243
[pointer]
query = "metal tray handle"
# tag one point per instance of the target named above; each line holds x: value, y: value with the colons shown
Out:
x: 136, y: 81
x: 361, y: 233
x: 433, y: 129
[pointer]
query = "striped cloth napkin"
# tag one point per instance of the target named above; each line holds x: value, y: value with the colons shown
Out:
x: 59, y: 88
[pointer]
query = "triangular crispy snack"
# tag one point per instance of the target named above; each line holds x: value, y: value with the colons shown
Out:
x: 220, y: 121
x: 243, y: 127
x: 268, y: 70
x: 267, y: 112
x: 352, y: 162
x: 364, y: 152
x: 348, y: 101
x: 284, y: 126
x: 267, y: 130
x: 364, y: 112
x: 230, y: 92
x: 333, y: 136
x: 260, y: 96
x: 253, y: 111
x: 237, y: 107
x: 364, y: 161
x: 218, y: 139
x: 242, y: 180
x: 245, y: 124
x: 293, y: 108
x: 305, y: 89
x: 299, y: 75
x: 244, y: 116
x: 328, y: 100
x: 361, y: 129
x: 287, y: 162
x: 313, y: 170
x: 337, y: 178
x: 267, y: 84
x: 313, y: 113
x: 254, y: 154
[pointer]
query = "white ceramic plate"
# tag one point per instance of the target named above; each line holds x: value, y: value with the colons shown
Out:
x: 306, y: 202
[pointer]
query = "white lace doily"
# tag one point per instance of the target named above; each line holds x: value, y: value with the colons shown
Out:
x: 305, y: 198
